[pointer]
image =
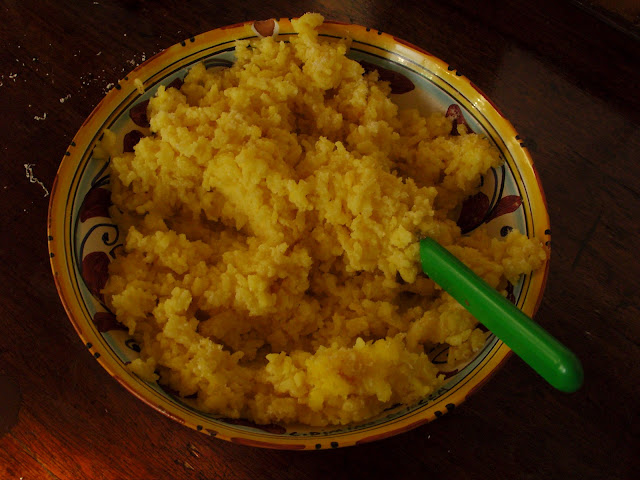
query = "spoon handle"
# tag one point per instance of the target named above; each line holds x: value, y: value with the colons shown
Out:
x: 546, y: 355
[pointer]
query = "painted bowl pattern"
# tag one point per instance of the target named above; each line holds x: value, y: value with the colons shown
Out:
x: 83, y: 239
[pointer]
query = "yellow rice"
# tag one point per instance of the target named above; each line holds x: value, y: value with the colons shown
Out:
x: 271, y: 259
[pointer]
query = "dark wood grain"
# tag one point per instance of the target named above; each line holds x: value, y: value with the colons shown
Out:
x: 568, y: 82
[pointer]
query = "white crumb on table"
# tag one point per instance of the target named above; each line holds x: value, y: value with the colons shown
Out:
x: 28, y: 168
x: 43, y: 117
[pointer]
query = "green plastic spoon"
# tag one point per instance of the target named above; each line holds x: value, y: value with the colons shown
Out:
x: 546, y: 355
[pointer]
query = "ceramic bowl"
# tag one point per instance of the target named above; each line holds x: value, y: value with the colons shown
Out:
x: 83, y: 239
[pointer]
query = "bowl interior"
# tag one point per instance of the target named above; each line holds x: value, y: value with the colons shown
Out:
x: 83, y: 239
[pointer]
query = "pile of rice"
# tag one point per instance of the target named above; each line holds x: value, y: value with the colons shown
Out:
x: 271, y: 266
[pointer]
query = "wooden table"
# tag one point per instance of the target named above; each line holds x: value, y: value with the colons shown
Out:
x: 566, y: 79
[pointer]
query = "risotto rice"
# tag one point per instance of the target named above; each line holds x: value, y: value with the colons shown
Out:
x: 271, y: 264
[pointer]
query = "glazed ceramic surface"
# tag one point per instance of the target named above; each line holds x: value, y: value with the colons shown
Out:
x: 83, y: 239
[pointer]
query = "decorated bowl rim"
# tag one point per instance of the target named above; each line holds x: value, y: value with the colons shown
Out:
x: 246, y: 30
